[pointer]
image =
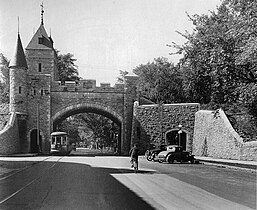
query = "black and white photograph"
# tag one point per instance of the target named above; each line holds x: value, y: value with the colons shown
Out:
x: 128, y: 104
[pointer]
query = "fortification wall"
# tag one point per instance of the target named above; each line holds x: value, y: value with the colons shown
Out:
x: 84, y: 85
x: 151, y: 122
x: 61, y: 100
x: 215, y: 137
x: 9, y: 137
x: 4, y: 115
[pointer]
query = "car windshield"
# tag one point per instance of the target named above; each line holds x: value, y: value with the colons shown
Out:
x: 178, y: 149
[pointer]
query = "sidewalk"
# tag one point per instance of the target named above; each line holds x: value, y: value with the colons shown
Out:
x: 21, y: 155
x: 228, y: 162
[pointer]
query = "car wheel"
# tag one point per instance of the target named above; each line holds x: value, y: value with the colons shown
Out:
x: 170, y: 159
x: 153, y: 156
x: 150, y: 158
x: 160, y: 161
x: 192, y: 161
x: 148, y: 155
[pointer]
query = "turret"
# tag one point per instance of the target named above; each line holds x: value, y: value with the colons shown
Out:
x: 18, y: 80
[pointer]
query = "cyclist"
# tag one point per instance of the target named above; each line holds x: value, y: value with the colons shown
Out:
x: 133, y: 153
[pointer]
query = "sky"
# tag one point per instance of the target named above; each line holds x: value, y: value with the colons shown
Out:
x: 105, y: 36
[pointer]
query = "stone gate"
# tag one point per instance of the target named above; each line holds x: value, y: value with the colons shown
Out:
x: 38, y: 102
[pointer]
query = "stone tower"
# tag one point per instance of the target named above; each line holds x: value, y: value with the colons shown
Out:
x: 41, y: 59
x: 18, y: 80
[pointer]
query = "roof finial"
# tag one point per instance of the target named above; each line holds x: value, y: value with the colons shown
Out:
x: 18, y: 25
x: 42, y: 14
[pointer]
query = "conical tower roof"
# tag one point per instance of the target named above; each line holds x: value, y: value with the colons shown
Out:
x: 18, y: 59
x: 40, y: 40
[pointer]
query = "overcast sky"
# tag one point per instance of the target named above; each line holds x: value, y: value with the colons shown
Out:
x: 105, y: 36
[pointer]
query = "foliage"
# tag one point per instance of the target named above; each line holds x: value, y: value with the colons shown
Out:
x: 4, y: 79
x: 102, y: 128
x: 120, y: 79
x: 67, y: 69
x: 219, y: 56
x: 96, y: 128
x: 160, y: 81
x: 70, y: 125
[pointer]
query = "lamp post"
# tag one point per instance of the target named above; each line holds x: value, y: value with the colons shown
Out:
x: 160, y: 109
x: 179, y: 134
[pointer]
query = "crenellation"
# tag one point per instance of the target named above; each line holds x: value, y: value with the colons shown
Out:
x: 85, y: 86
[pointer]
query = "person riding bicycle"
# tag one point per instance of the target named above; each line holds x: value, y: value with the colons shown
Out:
x: 133, y: 153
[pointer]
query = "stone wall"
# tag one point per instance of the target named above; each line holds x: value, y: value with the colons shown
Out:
x: 9, y: 137
x: 87, y: 85
x: 108, y: 100
x: 39, y: 109
x: 215, y: 137
x: 152, y: 122
x: 4, y: 118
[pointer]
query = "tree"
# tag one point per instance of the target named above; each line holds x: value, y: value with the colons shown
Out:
x: 210, y: 55
x: 4, y: 79
x: 219, y: 61
x: 160, y: 81
x: 103, y: 128
x: 70, y: 125
x: 120, y: 79
x: 67, y: 69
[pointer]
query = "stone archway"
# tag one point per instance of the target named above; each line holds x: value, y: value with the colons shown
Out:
x: 92, y: 108
x: 172, y: 138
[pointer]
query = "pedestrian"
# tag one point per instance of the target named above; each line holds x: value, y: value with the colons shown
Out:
x: 133, y: 153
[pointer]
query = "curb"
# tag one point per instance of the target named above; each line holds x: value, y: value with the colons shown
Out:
x: 233, y: 163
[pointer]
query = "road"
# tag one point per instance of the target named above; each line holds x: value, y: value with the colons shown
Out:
x: 107, y: 182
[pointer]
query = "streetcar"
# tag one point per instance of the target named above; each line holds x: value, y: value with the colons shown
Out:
x: 60, y: 143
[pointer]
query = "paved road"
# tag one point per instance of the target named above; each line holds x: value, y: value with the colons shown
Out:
x: 108, y: 182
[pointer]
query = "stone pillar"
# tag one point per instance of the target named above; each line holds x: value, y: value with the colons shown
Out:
x: 129, y: 98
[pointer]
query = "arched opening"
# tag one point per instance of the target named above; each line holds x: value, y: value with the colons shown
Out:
x: 175, y: 138
x: 111, y: 141
x: 35, y: 145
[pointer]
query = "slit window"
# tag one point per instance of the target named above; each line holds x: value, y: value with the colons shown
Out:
x: 40, y: 40
x: 39, y: 67
x: 20, y: 90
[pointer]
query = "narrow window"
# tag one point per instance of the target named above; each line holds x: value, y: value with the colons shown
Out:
x: 42, y: 92
x: 35, y: 91
x: 40, y: 40
x: 19, y: 90
x: 39, y: 67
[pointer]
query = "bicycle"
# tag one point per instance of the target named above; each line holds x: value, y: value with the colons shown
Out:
x: 134, y: 165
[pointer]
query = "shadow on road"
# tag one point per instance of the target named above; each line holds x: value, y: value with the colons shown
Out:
x: 93, y: 187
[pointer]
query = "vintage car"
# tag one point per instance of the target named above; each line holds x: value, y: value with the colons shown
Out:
x: 175, y: 152
x: 152, y: 153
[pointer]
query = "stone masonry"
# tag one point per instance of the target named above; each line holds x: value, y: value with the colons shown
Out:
x: 38, y: 101
x: 152, y: 123
x: 215, y: 137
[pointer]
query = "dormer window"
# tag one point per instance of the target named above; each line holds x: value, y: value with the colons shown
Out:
x: 40, y: 40
x: 39, y: 67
